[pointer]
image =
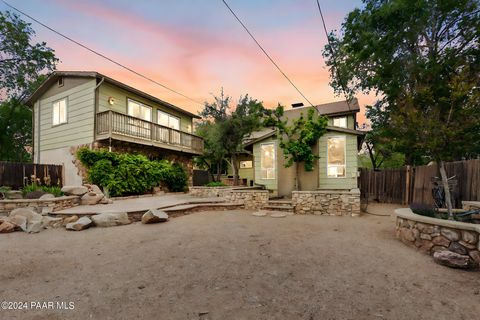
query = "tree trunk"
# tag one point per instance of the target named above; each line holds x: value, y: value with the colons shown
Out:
x: 235, y: 170
x: 219, y: 171
x: 448, y: 198
x: 297, y: 177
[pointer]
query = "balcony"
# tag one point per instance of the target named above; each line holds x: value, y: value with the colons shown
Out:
x: 111, y: 124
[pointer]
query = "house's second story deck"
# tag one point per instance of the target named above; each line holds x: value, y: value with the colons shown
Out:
x: 118, y: 126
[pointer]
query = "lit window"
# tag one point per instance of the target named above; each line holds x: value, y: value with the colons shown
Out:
x: 267, y: 161
x: 59, y: 112
x: 167, y: 120
x: 340, y: 122
x: 139, y: 110
x: 246, y: 164
x: 336, y: 157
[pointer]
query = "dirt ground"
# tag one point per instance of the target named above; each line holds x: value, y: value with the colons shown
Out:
x: 231, y: 265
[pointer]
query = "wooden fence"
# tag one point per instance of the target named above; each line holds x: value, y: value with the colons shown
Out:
x: 16, y: 175
x: 414, y: 184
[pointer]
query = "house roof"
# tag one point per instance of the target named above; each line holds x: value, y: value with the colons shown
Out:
x: 328, y: 109
x: 52, y: 78
x: 259, y: 136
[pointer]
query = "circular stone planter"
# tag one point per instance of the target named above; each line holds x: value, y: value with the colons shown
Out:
x: 430, y: 235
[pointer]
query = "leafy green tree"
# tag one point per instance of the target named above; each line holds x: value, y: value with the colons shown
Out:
x: 422, y: 58
x: 23, y: 65
x: 298, y: 137
x: 213, y: 151
x: 233, y: 124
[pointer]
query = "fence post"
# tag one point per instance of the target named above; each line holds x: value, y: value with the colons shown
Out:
x: 407, y: 185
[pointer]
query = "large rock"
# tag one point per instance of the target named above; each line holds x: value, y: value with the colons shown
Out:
x: 6, y: 226
x: 441, y: 241
x: 111, y: 219
x: 454, y: 260
x: 34, y: 220
x: 19, y: 221
x: 457, y: 248
x: 81, y: 224
x: 154, y: 216
x: 450, y: 234
x: 74, y: 190
x: 94, y: 188
x: 91, y: 198
x: 47, y: 196
x: 469, y: 237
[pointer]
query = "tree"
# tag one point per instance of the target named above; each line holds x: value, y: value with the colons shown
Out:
x: 23, y: 65
x: 422, y: 58
x: 233, y: 125
x: 298, y: 137
x: 213, y: 151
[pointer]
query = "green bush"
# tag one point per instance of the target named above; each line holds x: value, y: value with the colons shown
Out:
x: 33, y: 187
x: 129, y: 174
x: 215, y: 184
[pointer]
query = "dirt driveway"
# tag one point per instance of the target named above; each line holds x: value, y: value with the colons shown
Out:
x: 230, y: 265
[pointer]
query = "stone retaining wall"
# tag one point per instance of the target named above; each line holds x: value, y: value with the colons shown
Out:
x: 53, y: 204
x: 251, y: 199
x: 429, y: 235
x: 327, y: 202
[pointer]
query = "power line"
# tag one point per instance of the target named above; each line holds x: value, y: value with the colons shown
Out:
x: 102, y: 55
x: 265, y: 52
x: 334, y: 58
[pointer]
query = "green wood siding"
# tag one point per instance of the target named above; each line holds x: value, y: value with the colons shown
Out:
x: 121, y: 96
x: 80, y: 118
x: 350, y: 180
x: 271, y: 184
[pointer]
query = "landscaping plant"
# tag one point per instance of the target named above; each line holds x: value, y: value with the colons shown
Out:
x: 131, y: 174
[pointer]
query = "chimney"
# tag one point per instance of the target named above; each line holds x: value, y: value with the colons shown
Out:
x: 297, y: 105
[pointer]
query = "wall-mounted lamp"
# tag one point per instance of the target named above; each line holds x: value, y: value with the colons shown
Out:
x: 111, y: 101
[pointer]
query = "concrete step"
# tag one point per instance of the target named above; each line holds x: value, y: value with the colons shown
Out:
x: 279, y: 207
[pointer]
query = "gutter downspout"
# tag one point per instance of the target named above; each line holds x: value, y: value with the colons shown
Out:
x: 95, y: 111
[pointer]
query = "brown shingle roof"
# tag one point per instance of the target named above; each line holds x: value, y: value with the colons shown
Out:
x: 332, y: 108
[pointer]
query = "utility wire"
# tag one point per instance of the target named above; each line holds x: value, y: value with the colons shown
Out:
x: 265, y: 52
x: 334, y: 58
x: 102, y: 55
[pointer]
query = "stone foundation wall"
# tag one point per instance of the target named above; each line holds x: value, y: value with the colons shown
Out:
x: 209, y: 192
x: 327, y: 202
x: 429, y: 235
x: 251, y: 199
x: 54, y: 204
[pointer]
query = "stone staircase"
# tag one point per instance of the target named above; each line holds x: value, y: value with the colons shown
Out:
x: 283, y: 205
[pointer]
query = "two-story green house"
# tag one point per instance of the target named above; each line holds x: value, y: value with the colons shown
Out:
x: 76, y: 108
x: 337, y: 151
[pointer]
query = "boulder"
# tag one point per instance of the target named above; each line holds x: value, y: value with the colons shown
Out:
x: 475, y: 255
x: 454, y: 260
x: 50, y: 222
x: 6, y: 226
x: 46, y: 211
x: 441, y: 241
x: 450, y: 234
x: 111, y: 219
x: 35, y: 226
x: 47, y: 196
x: 70, y: 219
x: 81, y: 224
x: 469, y: 237
x: 74, y: 190
x: 19, y: 221
x: 91, y: 198
x: 154, y: 216
x: 105, y: 201
x: 34, y: 195
x: 28, y: 213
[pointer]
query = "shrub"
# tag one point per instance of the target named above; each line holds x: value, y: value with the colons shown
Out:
x: 36, y: 190
x: 128, y: 174
x: 215, y: 184
x: 423, y: 209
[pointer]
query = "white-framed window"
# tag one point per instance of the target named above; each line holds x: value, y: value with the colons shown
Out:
x: 139, y: 110
x: 59, y: 114
x: 267, y: 161
x: 340, y: 122
x: 167, y: 120
x: 336, y: 157
x: 246, y: 164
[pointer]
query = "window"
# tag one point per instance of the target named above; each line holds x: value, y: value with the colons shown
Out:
x: 336, y: 157
x: 59, y: 112
x: 167, y: 120
x: 267, y: 161
x: 340, y: 122
x: 139, y: 110
x: 138, y: 127
x: 246, y: 164
x: 60, y: 82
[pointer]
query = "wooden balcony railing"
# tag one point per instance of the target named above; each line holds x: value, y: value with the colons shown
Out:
x: 111, y: 123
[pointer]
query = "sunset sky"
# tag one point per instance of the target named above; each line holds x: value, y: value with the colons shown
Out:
x: 196, y: 47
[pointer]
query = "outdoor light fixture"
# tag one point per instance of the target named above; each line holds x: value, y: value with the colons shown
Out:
x: 111, y: 101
